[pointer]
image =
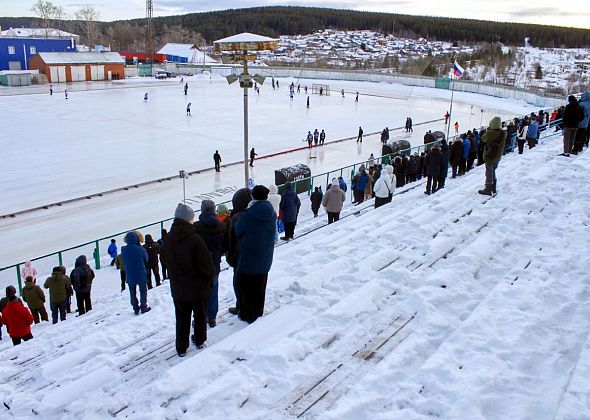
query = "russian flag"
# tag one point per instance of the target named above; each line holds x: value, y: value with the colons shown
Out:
x: 457, y: 69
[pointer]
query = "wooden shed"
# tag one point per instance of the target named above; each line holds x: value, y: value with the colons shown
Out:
x: 79, y: 66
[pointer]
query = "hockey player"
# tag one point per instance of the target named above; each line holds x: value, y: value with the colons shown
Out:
x: 145, y: 97
x: 188, y: 109
x: 322, y: 138
x: 309, y: 139
x: 342, y: 92
x: 308, y: 102
x: 316, y: 137
x: 50, y: 90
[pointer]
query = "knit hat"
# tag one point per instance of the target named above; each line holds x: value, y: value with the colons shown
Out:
x: 222, y: 209
x: 495, y: 123
x: 260, y: 192
x: 10, y: 291
x: 207, y: 206
x: 335, y: 182
x: 184, y: 212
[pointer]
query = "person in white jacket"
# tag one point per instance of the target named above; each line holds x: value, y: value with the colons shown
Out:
x: 274, y: 198
x: 383, y: 189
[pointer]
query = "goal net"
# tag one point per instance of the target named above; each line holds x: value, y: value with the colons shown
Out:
x: 318, y: 89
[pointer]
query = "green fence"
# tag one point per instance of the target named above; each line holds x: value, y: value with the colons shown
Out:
x: 96, y: 250
x: 442, y: 83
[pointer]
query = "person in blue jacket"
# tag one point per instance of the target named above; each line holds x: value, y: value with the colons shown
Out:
x: 532, y: 134
x: 464, y: 155
x: 135, y: 258
x: 289, y: 208
x: 256, y: 232
x: 113, y: 250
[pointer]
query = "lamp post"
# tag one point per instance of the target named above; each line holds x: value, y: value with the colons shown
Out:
x: 239, y: 46
x: 182, y: 175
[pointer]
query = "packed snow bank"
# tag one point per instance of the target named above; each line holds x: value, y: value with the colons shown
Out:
x: 453, y: 305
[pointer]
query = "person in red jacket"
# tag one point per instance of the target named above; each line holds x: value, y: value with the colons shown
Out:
x: 17, y: 318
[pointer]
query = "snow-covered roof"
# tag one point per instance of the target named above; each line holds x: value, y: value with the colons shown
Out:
x: 245, y: 37
x: 189, y: 51
x: 37, y: 33
x: 81, y: 58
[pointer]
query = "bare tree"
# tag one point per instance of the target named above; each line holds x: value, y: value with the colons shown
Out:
x: 48, y: 13
x: 88, y: 15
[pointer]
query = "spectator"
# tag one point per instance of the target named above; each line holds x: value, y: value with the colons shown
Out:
x: 360, y: 181
x: 411, y: 170
x: 255, y: 230
x: 316, y: 200
x: 59, y: 286
x: 214, y: 234
x: 121, y: 267
x: 368, y: 193
x: 35, y: 298
x: 582, y: 133
x: 112, y: 251
x: 333, y: 201
x: 191, y: 272
x: 153, y: 250
x: 472, y: 150
x: 466, y: 147
x: 29, y: 270
x: 494, y: 140
x: 275, y: 199
x: 444, y: 149
x: 522, y: 134
x: 572, y: 116
x: 81, y: 278
x: 240, y: 202
x: 383, y: 189
x: 434, y: 166
x: 289, y: 207
x: 342, y: 184
x: 17, y: 318
x: 532, y: 133
x: 162, y: 257
x: 455, y: 155
x: 136, y: 263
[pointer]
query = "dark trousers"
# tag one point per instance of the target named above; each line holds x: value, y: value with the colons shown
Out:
x: 17, y: 340
x: 531, y: 141
x: 462, y: 165
x: 379, y: 201
x: 41, y: 311
x: 123, y: 277
x: 83, y: 302
x: 333, y: 217
x: 217, y: 166
x: 236, y: 290
x: 315, y: 211
x: 580, y: 140
x: 252, y: 295
x: 142, y: 303
x: 521, y: 146
x: 156, y: 269
x: 359, y: 196
x: 251, y: 161
x: 184, y: 312
x: 164, y: 270
x: 431, y: 184
x: 441, y: 182
x: 55, y: 307
x: 289, y: 229
x: 470, y: 159
x: 454, y: 169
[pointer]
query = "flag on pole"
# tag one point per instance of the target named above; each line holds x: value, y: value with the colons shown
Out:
x: 457, y: 69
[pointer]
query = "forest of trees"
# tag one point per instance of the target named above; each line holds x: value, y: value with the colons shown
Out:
x: 275, y: 21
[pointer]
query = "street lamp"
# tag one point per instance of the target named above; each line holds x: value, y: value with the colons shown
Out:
x: 182, y: 175
x: 239, y: 45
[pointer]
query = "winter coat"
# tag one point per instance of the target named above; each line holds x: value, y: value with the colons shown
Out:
x: 573, y: 115
x: 289, y: 204
x: 466, y: 148
x: 361, y: 182
x: 135, y: 258
x: 28, y: 270
x: 240, y: 202
x: 334, y: 199
x: 412, y: 167
x: 522, y: 134
x: 17, y: 318
x: 256, y: 232
x: 215, y: 235
x: 189, y: 262
x: 59, y: 286
x: 455, y: 152
x: 119, y: 263
x: 473, y: 142
x: 434, y: 162
x: 495, y: 141
x: 153, y: 250
x: 533, y: 130
x: 383, y: 187
x: 112, y: 250
x: 274, y: 198
x: 33, y: 295
x: 316, y: 199
x: 342, y: 185
x: 82, y: 275
x: 444, y: 149
x: 585, y: 105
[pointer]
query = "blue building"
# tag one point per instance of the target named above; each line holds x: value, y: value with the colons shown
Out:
x: 17, y: 46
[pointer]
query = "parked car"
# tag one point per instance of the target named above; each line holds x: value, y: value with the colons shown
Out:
x: 162, y: 74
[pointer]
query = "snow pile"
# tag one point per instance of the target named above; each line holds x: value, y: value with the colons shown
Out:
x: 453, y: 305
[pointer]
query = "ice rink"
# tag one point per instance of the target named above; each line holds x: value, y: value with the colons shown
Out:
x: 107, y: 137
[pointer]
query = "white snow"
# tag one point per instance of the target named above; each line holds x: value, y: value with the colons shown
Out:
x: 453, y: 306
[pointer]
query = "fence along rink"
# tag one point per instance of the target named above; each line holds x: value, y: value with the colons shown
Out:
x: 317, y: 87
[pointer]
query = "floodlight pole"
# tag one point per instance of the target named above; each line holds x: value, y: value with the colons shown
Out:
x: 246, y: 169
x: 451, y: 107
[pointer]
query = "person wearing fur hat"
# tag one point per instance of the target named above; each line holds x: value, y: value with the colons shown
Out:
x: 333, y: 201
x: 494, y: 141
x: 240, y: 201
x: 135, y: 261
x: 17, y: 318
x: 214, y: 233
x: 191, y: 273
x: 255, y: 230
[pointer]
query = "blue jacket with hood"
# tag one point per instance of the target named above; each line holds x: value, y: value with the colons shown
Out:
x: 585, y: 104
x: 135, y: 259
x: 256, y: 232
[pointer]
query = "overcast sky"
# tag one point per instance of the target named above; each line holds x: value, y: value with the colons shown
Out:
x: 549, y: 12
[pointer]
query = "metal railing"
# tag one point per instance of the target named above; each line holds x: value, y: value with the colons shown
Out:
x: 97, y: 248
